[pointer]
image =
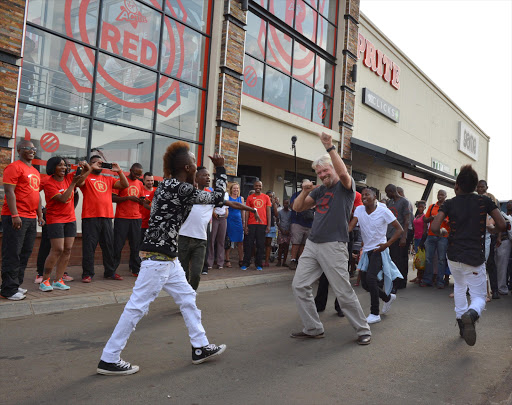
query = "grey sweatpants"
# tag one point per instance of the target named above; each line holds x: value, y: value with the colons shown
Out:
x: 330, y: 258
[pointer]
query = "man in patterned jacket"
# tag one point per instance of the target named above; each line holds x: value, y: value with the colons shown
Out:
x: 160, y: 267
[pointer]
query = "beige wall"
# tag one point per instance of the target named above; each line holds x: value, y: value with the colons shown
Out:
x: 428, y: 127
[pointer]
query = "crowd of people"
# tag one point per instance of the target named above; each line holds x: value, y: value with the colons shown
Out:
x: 180, y: 229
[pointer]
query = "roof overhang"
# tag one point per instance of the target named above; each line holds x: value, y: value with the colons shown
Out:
x: 403, y: 164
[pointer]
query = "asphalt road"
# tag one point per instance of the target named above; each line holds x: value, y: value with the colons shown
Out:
x: 415, y: 357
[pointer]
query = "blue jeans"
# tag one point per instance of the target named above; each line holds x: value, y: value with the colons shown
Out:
x: 431, y: 244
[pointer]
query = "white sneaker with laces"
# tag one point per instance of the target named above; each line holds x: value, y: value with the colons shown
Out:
x: 22, y: 290
x: 387, y: 305
x: 373, y: 318
x: 17, y: 297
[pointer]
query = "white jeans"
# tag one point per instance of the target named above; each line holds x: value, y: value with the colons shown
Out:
x: 153, y: 277
x: 465, y: 277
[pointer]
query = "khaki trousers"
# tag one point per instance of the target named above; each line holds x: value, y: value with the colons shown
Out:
x: 330, y: 258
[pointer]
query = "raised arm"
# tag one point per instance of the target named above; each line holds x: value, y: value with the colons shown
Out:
x: 303, y: 201
x: 123, y: 182
x: 337, y: 162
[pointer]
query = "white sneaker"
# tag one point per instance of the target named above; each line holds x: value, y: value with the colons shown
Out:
x: 22, y: 290
x: 373, y: 318
x: 17, y: 297
x: 387, y: 305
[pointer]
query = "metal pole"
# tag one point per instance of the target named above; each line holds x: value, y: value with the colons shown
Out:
x: 294, y: 139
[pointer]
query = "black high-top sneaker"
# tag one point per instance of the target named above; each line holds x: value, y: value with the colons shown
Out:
x: 468, y: 321
x: 461, y: 327
x: 201, y: 354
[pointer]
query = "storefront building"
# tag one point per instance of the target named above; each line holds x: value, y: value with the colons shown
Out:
x: 125, y: 78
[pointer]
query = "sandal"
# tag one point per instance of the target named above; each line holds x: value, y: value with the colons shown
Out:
x: 228, y: 264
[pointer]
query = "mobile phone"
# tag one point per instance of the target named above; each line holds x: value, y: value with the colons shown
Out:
x: 105, y: 165
x: 78, y: 171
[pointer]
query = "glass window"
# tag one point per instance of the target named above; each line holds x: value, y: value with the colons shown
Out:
x: 282, y: 9
x: 53, y: 133
x: 192, y: 12
x: 155, y: 3
x: 324, y: 76
x: 161, y: 144
x: 279, y: 49
x: 326, y: 33
x: 253, y: 77
x: 255, y: 36
x: 303, y: 63
x: 132, y: 30
x: 179, y: 109
x: 322, y: 109
x: 301, y: 100
x: 121, y: 145
x: 262, y: 3
x: 277, y: 88
x: 183, y: 53
x: 56, y: 72
x: 78, y: 19
x: 328, y: 9
x: 124, y: 92
x: 306, y: 20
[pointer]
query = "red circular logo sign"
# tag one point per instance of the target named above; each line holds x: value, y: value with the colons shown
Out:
x: 250, y: 76
x: 49, y: 142
x: 321, y: 110
x: 34, y: 181
x: 100, y: 186
x: 77, y: 61
x: 258, y: 203
x: 133, y: 191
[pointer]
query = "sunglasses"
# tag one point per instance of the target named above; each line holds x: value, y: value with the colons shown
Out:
x: 29, y: 148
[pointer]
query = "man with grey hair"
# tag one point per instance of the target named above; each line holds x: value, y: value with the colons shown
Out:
x: 326, y: 247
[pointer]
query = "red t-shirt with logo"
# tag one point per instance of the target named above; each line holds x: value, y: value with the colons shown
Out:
x: 57, y: 212
x: 27, y: 181
x: 260, y: 202
x: 130, y: 209
x: 144, y: 212
x: 97, y: 192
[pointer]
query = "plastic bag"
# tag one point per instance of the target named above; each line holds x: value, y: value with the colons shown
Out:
x: 419, y: 259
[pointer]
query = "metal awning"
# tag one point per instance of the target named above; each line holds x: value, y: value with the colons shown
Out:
x: 403, y: 164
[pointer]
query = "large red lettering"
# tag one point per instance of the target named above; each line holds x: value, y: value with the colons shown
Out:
x: 378, y: 62
x: 395, y: 81
x: 369, y: 55
x: 361, y: 46
x: 145, y: 47
x: 387, y: 64
x: 110, y: 34
x: 130, y: 44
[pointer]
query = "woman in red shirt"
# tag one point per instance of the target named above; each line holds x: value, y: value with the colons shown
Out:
x: 60, y: 218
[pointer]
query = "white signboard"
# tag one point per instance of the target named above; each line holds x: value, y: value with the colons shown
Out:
x: 468, y: 141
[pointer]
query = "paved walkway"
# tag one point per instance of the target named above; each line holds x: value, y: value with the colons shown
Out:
x: 104, y: 292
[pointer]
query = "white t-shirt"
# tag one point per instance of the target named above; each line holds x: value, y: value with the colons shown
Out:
x: 197, y: 221
x: 374, y: 226
x: 221, y: 211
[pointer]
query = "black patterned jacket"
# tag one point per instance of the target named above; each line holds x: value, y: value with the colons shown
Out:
x: 170, y: 208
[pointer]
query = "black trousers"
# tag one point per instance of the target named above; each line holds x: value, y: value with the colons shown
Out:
x: 94, y: 231
x: 44, y: 249
x: 17, y: 247
x: 370, y: 283
x: 322, y: 293
x: 256, y: 233
x: 127, y: 229
x: 491, y: 266
x: 400, y: 257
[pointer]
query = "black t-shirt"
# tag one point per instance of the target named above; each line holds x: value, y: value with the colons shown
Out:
x: 467, y: 215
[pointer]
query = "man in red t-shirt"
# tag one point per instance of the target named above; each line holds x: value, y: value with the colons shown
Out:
x: 128, y: 219
x: 22, y: 205
x: 254, y: 230
x: 145, y: 209
x: 97, y: 214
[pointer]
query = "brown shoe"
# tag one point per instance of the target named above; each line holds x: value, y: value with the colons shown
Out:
x: 302, y: 335
x: 364, y: 340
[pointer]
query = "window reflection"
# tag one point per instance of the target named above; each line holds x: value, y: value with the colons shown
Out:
x: 255, y: 36
x: 161, y: 144
x: 192, y: 12
x: 303, y: 63
x: 277, y: 88
x: 279, y: 49
x: 306, y: 20
x: 301, y: 100
x: 322, y: 109
x: 253, y: 77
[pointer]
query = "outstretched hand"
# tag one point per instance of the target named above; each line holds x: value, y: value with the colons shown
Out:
x: 217, y: 160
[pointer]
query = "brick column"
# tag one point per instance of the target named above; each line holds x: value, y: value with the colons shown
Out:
x: 230, y: 84
x: 11, y: 37
x: 348, y: 87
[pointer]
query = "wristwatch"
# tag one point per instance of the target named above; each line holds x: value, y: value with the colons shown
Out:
x: 331, y: 148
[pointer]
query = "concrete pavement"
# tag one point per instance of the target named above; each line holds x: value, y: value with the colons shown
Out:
x: 103, y: 292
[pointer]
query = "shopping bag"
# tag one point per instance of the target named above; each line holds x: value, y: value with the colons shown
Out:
x: 419, y: 259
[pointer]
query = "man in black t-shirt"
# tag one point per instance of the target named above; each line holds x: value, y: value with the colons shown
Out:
x: 466, y: 247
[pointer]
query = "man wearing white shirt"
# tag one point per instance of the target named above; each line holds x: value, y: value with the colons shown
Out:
x: 374, y: 218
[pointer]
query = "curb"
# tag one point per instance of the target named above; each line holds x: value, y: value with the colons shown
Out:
x: 52, y: 305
